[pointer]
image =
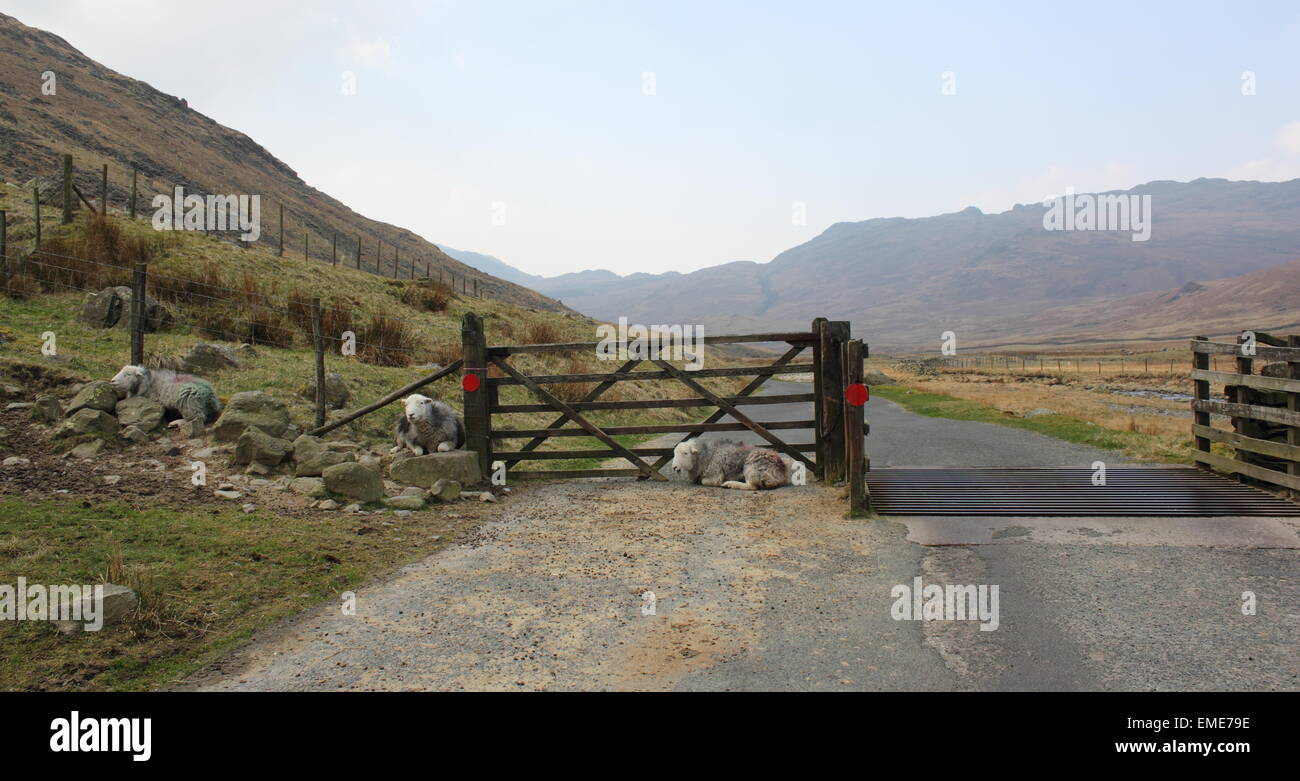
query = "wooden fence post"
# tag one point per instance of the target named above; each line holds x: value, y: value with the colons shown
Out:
x: 478, y: 413
x: 36, y: 209
x: 134, y: 178
x: 358, y: 252
x: 1202, y: 393
x: 1292, y: 404
x: 855, y: 446
x: 379, y: 258
x: 279, y: 252
x: 833, y: 336
x: 103, y: 192
x: 306, y: 245
x: 476, y: 288
x: 819, y: 400
x: 334, y: 250
x: 67, y: 189
x: 318, y: 342
x: 137, y: 314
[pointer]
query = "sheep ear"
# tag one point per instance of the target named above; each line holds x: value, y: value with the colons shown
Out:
x: 695, y: 447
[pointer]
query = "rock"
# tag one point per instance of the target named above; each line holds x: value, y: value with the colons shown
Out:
x: 134, y: 435
x: 115, y: 604
x: 11, y: 391
x: 257, y: 469
x: 87, y: 449
x: 191, y: 428
x: 205, y: 359
x: 257, y: 447
x: 95, y: 395
x: 354, y: 481
x: 145, y: 414
x: 352, y: 508
x: 336, y: 391
x: 16, y: 461
x: 222, y: 493
x: 404, y: 502
x: 110, y: 479
x: 246, y: 350
x: 414, y: 491
x: 102, y: 309
x: 308, y: 486
x: 445, y: 491
x: 89, y: 421
x: 203, y: 454
x: 328, y: 504
x: 156, y: 316
x: 47, y: 409
x: 487, y: 496
x: 877, y: 377
x: 251, y: 408
x: 1033, y: 413
x: 248, y: 508
x: 401, y: 513
x: 18, y: 405
x: 312, y: 455
x: 424, y: 471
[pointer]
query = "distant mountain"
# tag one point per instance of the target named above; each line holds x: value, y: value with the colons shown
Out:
x: 902, y: 282
x: 100, y: 116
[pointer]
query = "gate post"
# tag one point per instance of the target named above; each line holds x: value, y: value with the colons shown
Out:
x: 819, y: 411
x: 478, y: 413
x: 832, y: 338
x: 855, y: 447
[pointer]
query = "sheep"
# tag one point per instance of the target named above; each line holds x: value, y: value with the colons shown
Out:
x: 190, y: 397
x: 730, y: 464
x: 428, y: 426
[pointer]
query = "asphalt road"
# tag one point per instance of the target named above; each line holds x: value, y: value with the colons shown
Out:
x: 777, y: 591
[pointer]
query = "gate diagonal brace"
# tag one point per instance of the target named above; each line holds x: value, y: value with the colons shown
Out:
x: 582, y: 422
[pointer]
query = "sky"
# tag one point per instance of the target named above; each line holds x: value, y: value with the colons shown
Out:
x: 563, y: 136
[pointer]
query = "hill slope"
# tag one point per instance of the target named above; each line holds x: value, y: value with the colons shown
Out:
x: 100, y: 116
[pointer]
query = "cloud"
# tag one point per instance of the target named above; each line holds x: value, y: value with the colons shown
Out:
x: 1281, y: 167
x: 374, y: 53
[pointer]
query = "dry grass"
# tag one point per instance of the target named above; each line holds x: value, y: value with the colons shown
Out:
x: 387, y: 341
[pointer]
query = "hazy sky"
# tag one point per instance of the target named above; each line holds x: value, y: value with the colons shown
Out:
x: 524, y: 129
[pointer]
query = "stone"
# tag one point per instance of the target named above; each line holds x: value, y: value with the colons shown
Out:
x: 352, y: 508
x: 246, y: 350
x: 204, y: 359
x: 257, y: 469
x: 248, y: 508
x: 87, y: 449
x: 354, y: 481
x: 95, y: 395
x: 102, y: 309
x: 89, y: 421
x: 202, y: 454
x: 191, y: 428
x: 413, y: 491
x: 143, y: 413
x: 134, y: 435
x: 223, y: 493
x: 445, y: 491
x: 110, y: 479
x: 308, y: 486
x: 424, y: 471
x: 257, y: 447
x: 877, y: 377
x: 156, y: 316
x: 16, y: 461
x: 336, y: 391
x: 404, y: 502
x: 18, y: 405
x: 311, y: 455
x: 328, y: 504
x: 487, y: 496
x: 251, y: 408
x: 47, y: 409
x: 115, y: 604
x: 11, y: 391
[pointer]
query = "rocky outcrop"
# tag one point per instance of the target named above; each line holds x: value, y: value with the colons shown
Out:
x: 354, y: 481
x: 424, y: 471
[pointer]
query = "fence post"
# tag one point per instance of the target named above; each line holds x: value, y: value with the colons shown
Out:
x: 1292, y: 404
x: 137, y: 315
x: 855, y: 446
x: 306, y: 245
x: 477, y: 412
x: 334, y: 250
x: 318, y: 342
x: 36, y: 210
x: 103, y: 191
x: 358, y: 252
x: 819, y: 401
x: 67, y: 189
x: 1202, y: 393
x: 379, y: 258
x: 134, y: 178
x: 279, y: 252
x: 476, y: 288
x: 834, y: 334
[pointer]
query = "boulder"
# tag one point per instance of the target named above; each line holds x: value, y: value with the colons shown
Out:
x: 205, y: 359
x: 115, y: 604
x: 336, y: 391
x: 251, y: 408
x: 143, y: 413
x: 87, y: 449
x: 424, y: 471
x: 98, y: 395
x: 156, y: 316
x: 47, y: 409
x: 404, y: 502
x: 89, y: 421
x: 877, y: 377
x: 354, y: 481
x: 445, y: 491
x: 311, y: 455
x: 255, y: 446
x: 102, y: 309
x: 308, y: 486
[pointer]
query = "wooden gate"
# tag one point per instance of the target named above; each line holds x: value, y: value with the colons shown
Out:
x: 482, y: 402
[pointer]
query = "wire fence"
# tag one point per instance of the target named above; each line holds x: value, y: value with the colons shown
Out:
x: 1050, y: 364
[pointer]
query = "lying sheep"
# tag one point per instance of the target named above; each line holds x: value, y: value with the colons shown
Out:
x: 189, y: 397
x: 730, y: 465
x: 428, y: 426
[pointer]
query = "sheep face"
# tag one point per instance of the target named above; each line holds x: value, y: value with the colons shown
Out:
x: 685, y: 456
x: 418, y: 407
x: 130, y: 381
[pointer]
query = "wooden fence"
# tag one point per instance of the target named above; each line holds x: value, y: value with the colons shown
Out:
x: 1264, y: 408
